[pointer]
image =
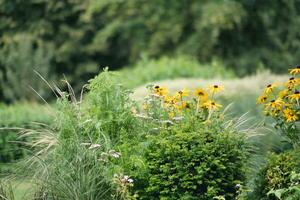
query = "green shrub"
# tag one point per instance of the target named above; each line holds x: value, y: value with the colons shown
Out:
x: 12, y: 119
x: 278, y: 175
x: 193, y: 161
x: 149, y: 70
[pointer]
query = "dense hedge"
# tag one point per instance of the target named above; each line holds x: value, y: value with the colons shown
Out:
x: 75, y: 37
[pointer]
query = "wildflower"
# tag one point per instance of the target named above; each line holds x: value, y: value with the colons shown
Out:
x: 170, y: 101
x: 261, y: 99
x: 295, y: 96
x: 284, y: 93
x: 123, y: 179
x: 216, y: 88
x: 292, y: 82
x: 290, y: 115
x: 182, y: 93
x: 295, y: 71
x: 160, y: 91
x: 277, y: 104
x: 211, y: 105
x: 270, y: 88
x: 183, y: 105
x: 126, y: 179
x: 201, y: 94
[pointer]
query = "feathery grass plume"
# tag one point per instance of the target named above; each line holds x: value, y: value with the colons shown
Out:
x: 76, y: 157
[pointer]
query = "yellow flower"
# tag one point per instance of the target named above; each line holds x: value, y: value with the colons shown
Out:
x: 292, y: 82
x: 216, y: 88
x: 170, y: 101
x: 201, y: 94
x: 290, y: 115
x: 295, y: 96
x: 160, y: 91
x: 183, y: 105
x: 182, y: 93
x: 171, y: 114
x: 295, y: 71
x: 211, y: 105
x: 270, y: 88
x: 284, y: 93
x: 261, y: 99
x: 276, y: 104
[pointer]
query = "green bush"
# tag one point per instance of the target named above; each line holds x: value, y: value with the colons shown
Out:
x: 193, y: 161
x: 12, y: 119
x: 278, y: 176
x: 148, y: 70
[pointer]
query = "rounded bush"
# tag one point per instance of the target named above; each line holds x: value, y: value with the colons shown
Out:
x: 277, y: 175
x: 196, y: 161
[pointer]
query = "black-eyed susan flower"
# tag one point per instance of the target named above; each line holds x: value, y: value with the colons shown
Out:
x: 211, y: 105
x: 262, y: 99
x: 290, y: 115
x: 216, y: 88
x: 292, y: 82
x: 182, y: 93
x: 295, y: 70
x: 270, y: 88
x: 201, y: 94
x: 275, y: 104
x: 160, y: 91
x: 284, y: 93
x: 295, y: 96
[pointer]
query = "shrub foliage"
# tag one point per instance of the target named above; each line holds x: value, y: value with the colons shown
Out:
x: 199, y: 162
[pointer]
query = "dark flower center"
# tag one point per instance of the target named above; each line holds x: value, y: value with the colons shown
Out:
x: 269, y: 85
x: 216, y: 86
x: 156, y: 87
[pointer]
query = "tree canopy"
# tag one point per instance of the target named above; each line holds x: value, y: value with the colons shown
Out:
x: 77, y: 38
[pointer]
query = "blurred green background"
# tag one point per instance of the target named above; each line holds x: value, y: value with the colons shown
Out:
x: 76, y: 39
